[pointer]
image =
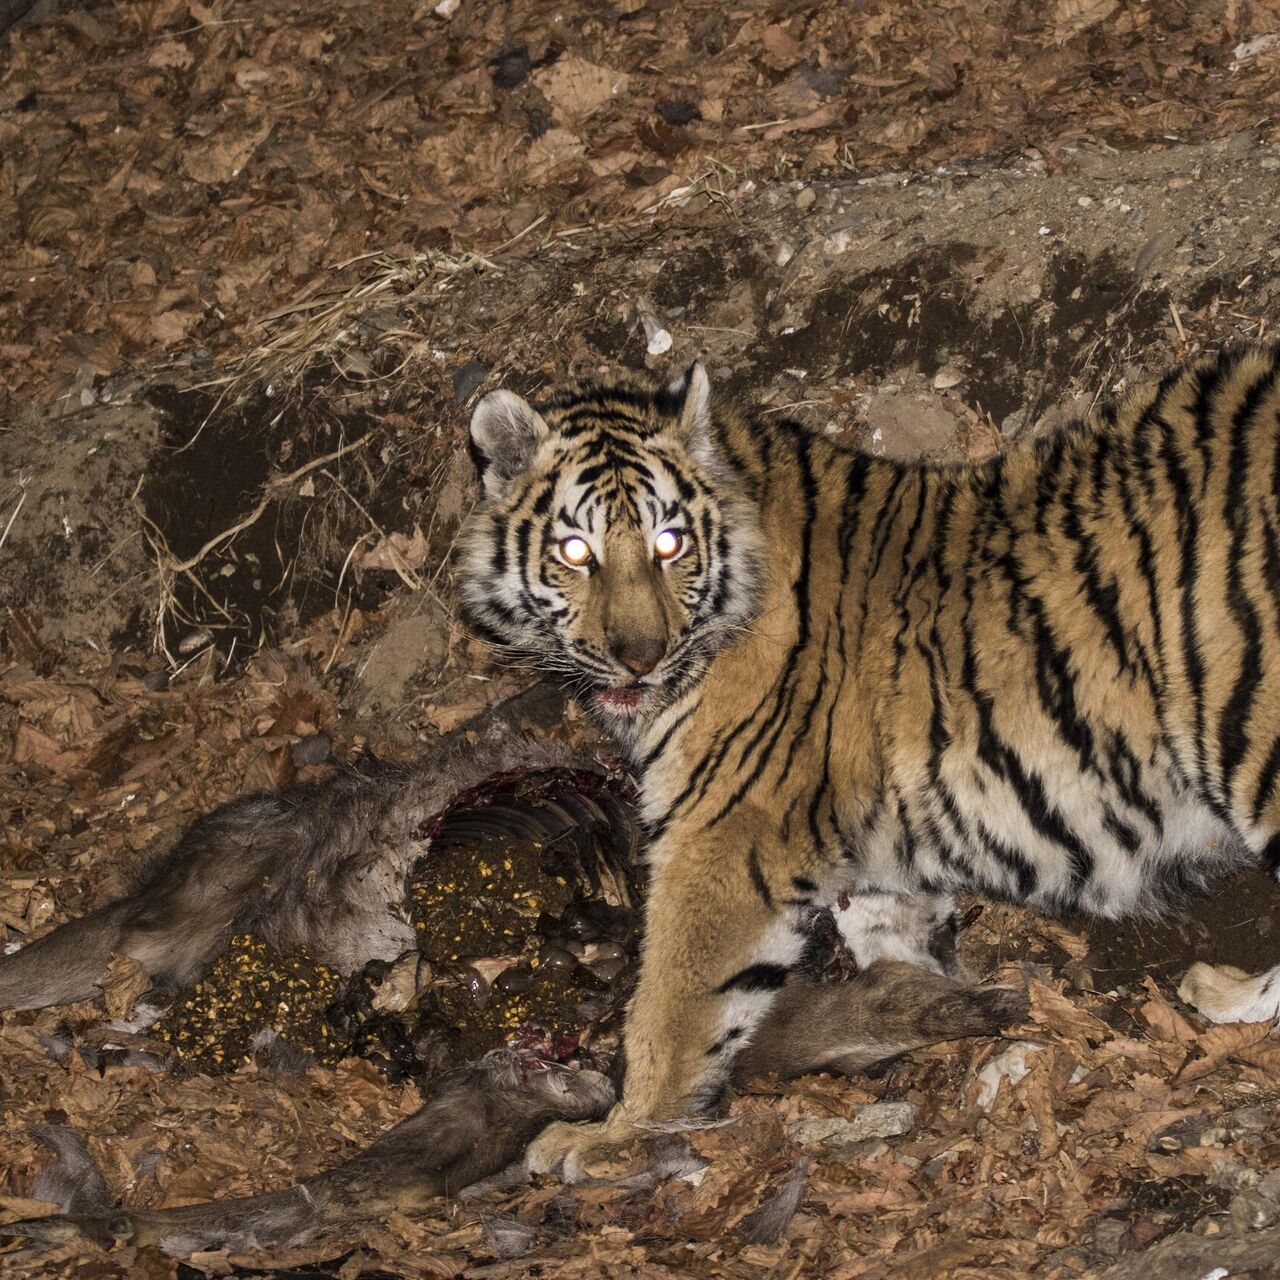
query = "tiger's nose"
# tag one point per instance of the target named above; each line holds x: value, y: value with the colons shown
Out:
x: 639, y: 656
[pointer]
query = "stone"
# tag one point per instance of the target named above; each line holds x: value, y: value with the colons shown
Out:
x: 875, y: 1120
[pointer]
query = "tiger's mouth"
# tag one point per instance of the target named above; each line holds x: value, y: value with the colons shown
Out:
x: 624, y: 701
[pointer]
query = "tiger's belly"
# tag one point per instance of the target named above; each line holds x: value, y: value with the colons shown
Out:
x: 1072, y: 841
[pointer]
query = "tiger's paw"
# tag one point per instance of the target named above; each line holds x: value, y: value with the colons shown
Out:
x: 574, y: 1150
x: 1223, y: 993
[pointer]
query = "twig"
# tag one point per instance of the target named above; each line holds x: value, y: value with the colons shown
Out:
x: 13, y: 515
x: 398, y: 562
x: 338, y: 644
x: 200, y: 26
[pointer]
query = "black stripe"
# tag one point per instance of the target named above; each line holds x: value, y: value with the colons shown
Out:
x: 758, y: 882
x: 704, y: 773
x: 907, y: 577
x: 1206, y: 388
x: 1188, y: 576
x: 1267, y: 779
x: 755, y: 977
x: 882, y: 525
x: 1233, y: 729
x: 1011, y: 859
x: 1055, y: 680
x: 1102, y: 596
x: 734, y: 1033
x: 1155, y: 670
x: 786, y: 682
x: 1127, y: 838
x: 1271, y: 855
x: 854, y: 487
x: 1005, y: 764
x: 904, y: 844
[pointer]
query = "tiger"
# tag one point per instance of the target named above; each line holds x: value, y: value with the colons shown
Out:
x: 844, y: 681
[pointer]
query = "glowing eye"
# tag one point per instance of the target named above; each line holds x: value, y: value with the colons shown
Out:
x: 576, y: 552
x: 668, y: 544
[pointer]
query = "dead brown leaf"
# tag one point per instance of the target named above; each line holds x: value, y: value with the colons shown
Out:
x: 1224, y: 1041
x: 576, y: 88
x: 781, y: 50
x: 1074, y: 944
x: 124, y: 981
x: 222, y: 158
x: 30, y: 746
x: 1163, y: 1020
x: 398, y: 552
x: 1052, y: 1010
x: 172, y: 326
x: 549, y: 153
x: 1074, y: 16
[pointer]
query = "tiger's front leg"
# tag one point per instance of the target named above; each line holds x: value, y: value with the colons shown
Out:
x: 722, y: 933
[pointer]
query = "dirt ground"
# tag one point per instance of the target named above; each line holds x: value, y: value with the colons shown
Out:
x: 255, y: 263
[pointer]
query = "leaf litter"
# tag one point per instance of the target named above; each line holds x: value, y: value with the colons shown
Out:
x: 274, y: 142
x: 418, y: 145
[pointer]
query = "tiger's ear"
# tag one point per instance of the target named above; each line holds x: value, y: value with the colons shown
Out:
x: 506, y: 431
x: 690, y: 396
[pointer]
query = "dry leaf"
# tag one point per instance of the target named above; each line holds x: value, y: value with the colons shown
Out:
x: 781, y: 51
x: 221, y: 158
x: 397, y: 552
x: 398, y: 990
x: 1163, y: 1020
x: 13, y: 1208
x: 172, y: 326
x: 1219, y: 1043
x: 30, y: 746
x: 1051, y: 1009
x: 555, y: 148
x: 1074, y: 16
x: 124, y: 981
x: 170, y: 53
x: 575, y: 87
x: 1076, y: 946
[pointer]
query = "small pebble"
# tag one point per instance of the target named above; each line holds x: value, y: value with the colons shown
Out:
x: 875, y: 1120
x: 509, y: 69
x: 156, y: 681
x: 312, y: 750
x: 1109, y: 1236
x: 806, y: 198
x: 194, y: 640
x: 1223, y: 1171
x: 466, y: 378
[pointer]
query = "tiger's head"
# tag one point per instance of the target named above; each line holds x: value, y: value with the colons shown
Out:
x: 613, y: 544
